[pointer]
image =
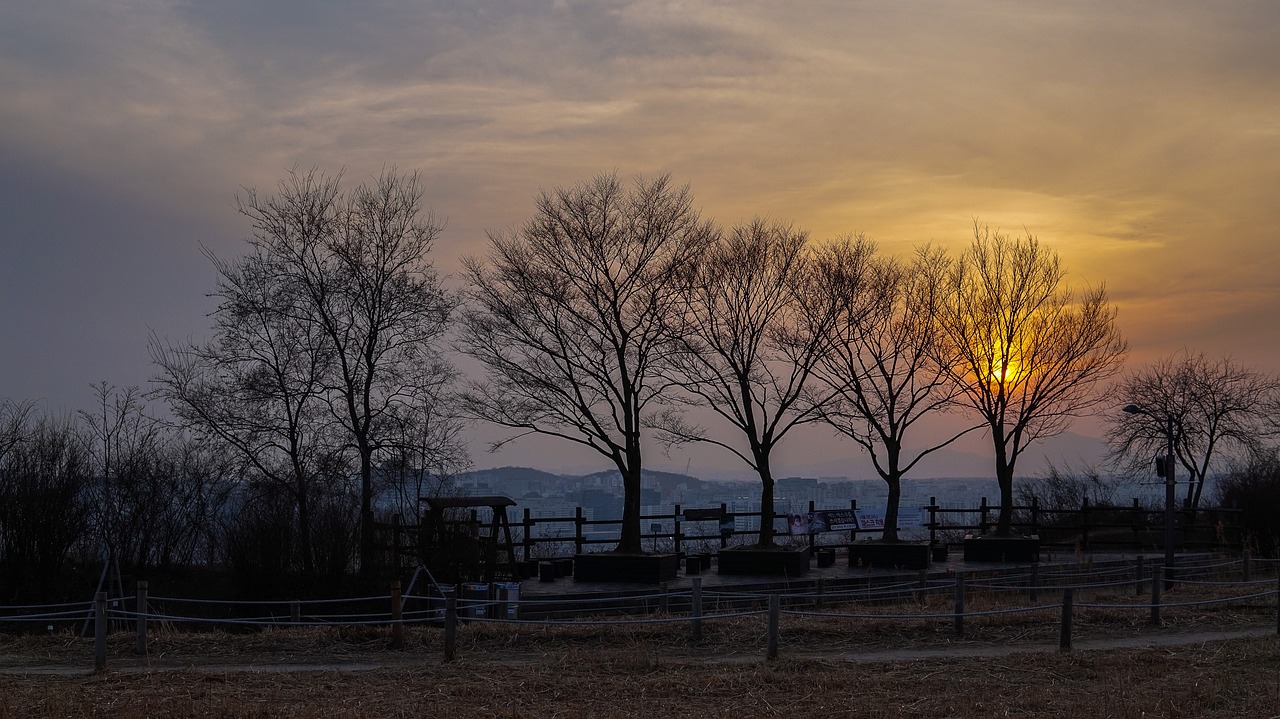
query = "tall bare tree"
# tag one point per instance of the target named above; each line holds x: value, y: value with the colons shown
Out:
x: 258, y: 386
x: 1024, y: 354
x: 746, y: 342
x: 357, y: 268
x: 1215, y: 409
x: 569, y: 315
x: 884, y: 361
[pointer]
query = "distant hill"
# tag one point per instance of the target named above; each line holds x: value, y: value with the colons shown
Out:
x: 666, y: 481
x: 501, y: 475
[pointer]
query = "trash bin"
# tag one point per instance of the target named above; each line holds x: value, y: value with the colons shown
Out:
x: 508, y: 601
x: 476, y: 598
x: 437, y: 602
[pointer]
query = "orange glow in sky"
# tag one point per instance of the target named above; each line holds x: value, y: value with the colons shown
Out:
x: 1141, y: 141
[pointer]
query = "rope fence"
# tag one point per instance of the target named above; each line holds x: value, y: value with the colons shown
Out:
x: 691, y: 606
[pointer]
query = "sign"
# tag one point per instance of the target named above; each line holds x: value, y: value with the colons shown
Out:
x: 798, y: 524
x: 832, y: 520
x: 872, y: 520
x: 703, y: 515
x: 862, y: 520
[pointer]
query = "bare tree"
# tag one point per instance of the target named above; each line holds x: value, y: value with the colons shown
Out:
x: 45, y: 472
x: 746, y: 342
x: 569, y: 316
x: 258, y: 386
x: 356, y: 268
x: 1214, y: 408
x: 1024, y: 355
x: 124, y: 447
x: 884, y: 360
x: 426, y: 448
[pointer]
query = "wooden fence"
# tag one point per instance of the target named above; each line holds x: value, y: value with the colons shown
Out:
x: 1088, y: 527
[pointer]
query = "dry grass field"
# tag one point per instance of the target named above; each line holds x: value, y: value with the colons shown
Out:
x: 1005, y: 665
x: 1239, y: 678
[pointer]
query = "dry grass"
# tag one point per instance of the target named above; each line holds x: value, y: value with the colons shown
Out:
x: 656, y: 669
x: 1234, y: 679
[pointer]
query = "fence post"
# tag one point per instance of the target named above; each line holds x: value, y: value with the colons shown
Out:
x: 1035, y: 515
x: 695, y: 623
x: 577, y: 529
x: 933, y: 521
x: 528, y: 535
x: 1064, y: 633
x: 1084, y: 523
x: 1034, y: 592
x: 99, y: 632
x: 812, y: 535
x: 397, y: 617
x: 395, y: 540
x: 450, y: 627
x: 1246, y: 562
x: 982, y: 518
x: 775, y: 607
x: 821, y: 589
x: 295, y: 612
x: 663, y: 604
x: 140, y: 646
x: 675, y: 535
x: 923, y: 593
x: 1155, y: 594
x: 959, y: 621
x: 1138, y: 573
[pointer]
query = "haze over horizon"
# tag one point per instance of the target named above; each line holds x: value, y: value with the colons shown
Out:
x: 1141, y: 141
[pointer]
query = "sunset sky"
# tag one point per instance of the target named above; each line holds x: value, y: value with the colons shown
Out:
x: 1141, y: 140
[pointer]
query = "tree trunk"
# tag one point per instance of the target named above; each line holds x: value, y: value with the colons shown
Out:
x: 367, y: 553
x: 891, y: 509
x: 766, y: 502
x: 1004, y: 476
x: 629, y: 539
x: 304, y: 531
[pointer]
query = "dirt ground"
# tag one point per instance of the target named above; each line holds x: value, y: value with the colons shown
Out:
x: 654, y: 672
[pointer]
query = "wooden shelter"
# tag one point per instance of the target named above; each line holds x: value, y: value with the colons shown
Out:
x: 456, y: 544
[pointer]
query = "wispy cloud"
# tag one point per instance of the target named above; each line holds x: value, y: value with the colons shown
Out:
x: 1140, y: 139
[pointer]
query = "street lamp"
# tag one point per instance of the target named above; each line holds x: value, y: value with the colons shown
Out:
x: 1169, y: 500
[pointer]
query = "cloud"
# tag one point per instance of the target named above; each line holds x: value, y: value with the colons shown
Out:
x: 1140, y: 139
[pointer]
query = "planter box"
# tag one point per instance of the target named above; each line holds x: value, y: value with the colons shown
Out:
x: 634, y: 568
x: 889, y: 555
x: 1002, y: 549
x: 772, y: 562
x: 693, y: 565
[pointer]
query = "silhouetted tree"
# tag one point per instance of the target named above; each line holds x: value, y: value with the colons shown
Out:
x: 569, y: 315
x: 352, y: 272
x: 884, y: 361
x: 751, y: 328
x: 1024, y: 355
x: 45, y: 476
x: 259, y: 385
x: 1215, y: 408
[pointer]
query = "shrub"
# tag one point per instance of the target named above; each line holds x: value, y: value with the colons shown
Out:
x: 1253, y: 487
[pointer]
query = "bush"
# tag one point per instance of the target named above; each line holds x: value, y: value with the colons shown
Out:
x: 1254, y: 488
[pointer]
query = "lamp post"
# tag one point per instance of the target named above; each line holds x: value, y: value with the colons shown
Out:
x: 1169, y: 500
